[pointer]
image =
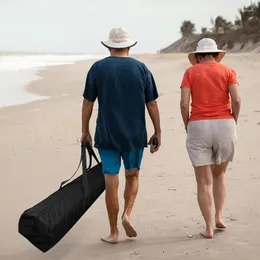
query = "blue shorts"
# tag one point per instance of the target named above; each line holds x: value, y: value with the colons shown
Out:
x: 111, y: 160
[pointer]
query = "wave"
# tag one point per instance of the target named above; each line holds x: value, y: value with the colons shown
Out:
x: 16, y: 62
x: 18, y: 69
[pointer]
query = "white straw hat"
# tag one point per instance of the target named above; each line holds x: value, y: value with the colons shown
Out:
x: 118, y: 39
x: 206, y: 45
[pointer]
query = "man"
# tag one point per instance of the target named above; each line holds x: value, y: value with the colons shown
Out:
x: 123, y: 86
x: 211, y: 126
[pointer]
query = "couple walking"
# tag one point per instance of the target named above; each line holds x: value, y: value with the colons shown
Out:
x: 124, y: 87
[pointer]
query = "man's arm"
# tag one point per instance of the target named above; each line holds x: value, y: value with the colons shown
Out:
x: 185, y: 105
x: 151, y: 95
x: 235, y: 100
x: 154, y: 114
x: 90, y: 95
x: 87, y: 108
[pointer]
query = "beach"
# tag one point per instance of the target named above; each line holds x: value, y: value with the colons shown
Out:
x: 40, y: 149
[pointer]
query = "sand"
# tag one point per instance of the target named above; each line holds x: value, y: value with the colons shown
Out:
x: 39, y: 149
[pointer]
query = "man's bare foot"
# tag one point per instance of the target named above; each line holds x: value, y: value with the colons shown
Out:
x: 129, y: 229
x: 209, y: 233
x: 110, y: 239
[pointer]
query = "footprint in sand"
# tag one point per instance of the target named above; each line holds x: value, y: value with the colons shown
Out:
x: 135, y: 255
x: 258, y: 123
x: 230, y: 219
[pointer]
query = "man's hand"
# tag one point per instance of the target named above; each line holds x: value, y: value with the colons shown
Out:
x: 155, y: 117
x: 86, y: 137
x: 158, y: 136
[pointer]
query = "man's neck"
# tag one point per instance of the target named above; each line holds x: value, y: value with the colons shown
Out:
x: 119, y: 54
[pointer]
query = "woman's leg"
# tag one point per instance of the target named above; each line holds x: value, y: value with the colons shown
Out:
x: 224, y: 140
x: 205, y: 199
x: 219, y: 192
x: 199, y: 146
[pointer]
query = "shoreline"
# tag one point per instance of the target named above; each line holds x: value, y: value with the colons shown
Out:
x: 18, y: 72
x: 35, y: 85
x: 42, y: 95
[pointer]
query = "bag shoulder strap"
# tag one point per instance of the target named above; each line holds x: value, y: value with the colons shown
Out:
x: 64, y: 182
x: 83, y: 160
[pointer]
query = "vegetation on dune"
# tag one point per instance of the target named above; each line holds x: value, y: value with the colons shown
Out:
x: 243, y: 34
x: 248, y: 20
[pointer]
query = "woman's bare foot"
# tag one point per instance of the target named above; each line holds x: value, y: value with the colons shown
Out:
x: 129, y: 229
x: 110, y: 239
x: 209, y: 233
x: 220, y: 223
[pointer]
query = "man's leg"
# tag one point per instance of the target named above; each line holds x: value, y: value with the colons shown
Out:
x: 132, y: 162
x: 111, y: 162
x: 131, y: 189
x: 205, y: 200
x: 219, y: 192
x: 112, y: 184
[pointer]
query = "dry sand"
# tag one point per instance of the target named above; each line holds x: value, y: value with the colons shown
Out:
x: 39, y: 149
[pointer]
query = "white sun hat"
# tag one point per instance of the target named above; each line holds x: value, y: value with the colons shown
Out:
x: 119, y: 39
x: 206, y: 45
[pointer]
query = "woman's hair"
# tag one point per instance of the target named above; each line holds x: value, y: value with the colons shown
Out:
x: 203, y: 55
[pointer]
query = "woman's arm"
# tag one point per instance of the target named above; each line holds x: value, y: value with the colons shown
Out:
x: 185, y: 105
x: 235, y: 100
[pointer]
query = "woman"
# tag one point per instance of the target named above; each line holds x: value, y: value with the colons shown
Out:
x: 211, y: 126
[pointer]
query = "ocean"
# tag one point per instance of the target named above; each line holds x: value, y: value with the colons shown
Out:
x: 19, y: 69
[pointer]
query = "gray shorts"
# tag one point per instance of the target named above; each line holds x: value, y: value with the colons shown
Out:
x: 211, y: 141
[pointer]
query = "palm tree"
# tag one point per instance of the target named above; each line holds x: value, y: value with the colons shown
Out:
x: 204, y: 30
x: 187, y: 28
x: 238, y: 22
x: 246, y: 13
x: 257, y: 10
x: 227, y: 26
x: 220, y: 24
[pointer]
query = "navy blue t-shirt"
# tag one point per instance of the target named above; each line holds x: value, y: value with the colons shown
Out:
x: 123, y: 86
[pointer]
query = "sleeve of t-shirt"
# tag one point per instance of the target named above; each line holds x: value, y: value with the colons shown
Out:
x: 90, y: 91
x: 232, y: 77
x: 151, y: 92
x: 186, y: 80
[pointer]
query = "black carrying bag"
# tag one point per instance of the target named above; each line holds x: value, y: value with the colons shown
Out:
x: 45, y: 224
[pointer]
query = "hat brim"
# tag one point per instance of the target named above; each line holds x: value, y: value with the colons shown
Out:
x: 120, y: 45
x: 193, y: 59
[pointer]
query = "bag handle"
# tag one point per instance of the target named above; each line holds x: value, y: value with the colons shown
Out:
x: 83, y: 159
x: 91, y: 153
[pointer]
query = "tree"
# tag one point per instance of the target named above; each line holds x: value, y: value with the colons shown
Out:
x: 187, y: 28
x: 220, y: 24
x: 257, y: 10
x: 204, y: 30
x: 249, y: 18
x: 238, y: 22
x: 248, y: 13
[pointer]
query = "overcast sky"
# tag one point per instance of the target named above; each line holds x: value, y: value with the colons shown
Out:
x: 80, y: 25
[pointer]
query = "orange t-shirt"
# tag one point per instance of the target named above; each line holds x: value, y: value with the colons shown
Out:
x: 209, y: 84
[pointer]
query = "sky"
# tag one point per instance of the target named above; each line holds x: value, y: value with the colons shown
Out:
x: 78, y: 26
